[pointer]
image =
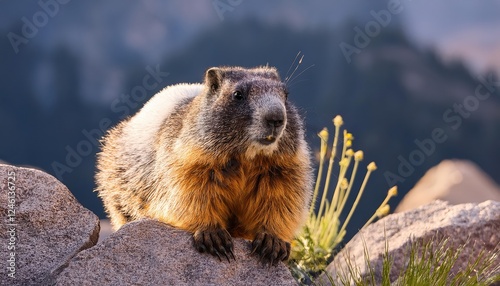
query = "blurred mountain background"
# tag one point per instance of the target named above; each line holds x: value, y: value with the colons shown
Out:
x: 68, y: 75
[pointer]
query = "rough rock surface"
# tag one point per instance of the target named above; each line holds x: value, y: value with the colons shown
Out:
x: 42, y: 227
x: 148, y: 252
x: 478, y: 222
x: 454, y: 181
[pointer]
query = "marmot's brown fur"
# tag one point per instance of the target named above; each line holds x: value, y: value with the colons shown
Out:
x: 219, y: 159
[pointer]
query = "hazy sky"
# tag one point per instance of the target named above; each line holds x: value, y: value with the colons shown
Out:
x: 108, y: 35
x: 465, y: 29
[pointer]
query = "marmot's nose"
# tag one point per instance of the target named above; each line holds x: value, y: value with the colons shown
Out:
x: 275, y: 123
x: 274, y: 119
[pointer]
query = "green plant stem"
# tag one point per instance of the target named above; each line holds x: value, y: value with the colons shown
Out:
x: 386, y: 200
x: 329, y: 172
x: 342, y: 171
x: 355, y: 204
x: 351, y: 182
x: 318, y: 179
x: 330, y: 233
x: 370, y: 220
x: 336, y: 195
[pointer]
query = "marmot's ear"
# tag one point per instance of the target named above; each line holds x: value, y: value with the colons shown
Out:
x: 213, y: 78
x: 272, y: 73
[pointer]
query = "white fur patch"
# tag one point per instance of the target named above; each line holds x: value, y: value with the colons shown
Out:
x: 256, y: 148
x: 142, y: 128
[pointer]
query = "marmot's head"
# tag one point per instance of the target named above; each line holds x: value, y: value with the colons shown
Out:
x: 244, y: 110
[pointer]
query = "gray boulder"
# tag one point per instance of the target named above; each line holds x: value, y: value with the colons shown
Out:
x: 477, y: 224
x: 43, y: 226
x: 148, y: 252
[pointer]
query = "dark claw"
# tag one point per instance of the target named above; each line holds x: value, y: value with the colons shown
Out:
x: 223, y: 246
x: 224, y: 252
x: 216, y: 241
x: 284, y: 251
x: 232, y: 254
x: 201, y: 248
x: 288, y: 250
x: 270, y: 248
x: 257, y: 242
x: 217, y: 254
x: 275, y: 252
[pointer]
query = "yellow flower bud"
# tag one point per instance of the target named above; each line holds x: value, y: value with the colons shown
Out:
x: 323, y: 134
x: 324, y: 140
x: 344, y: 162
x: 392, y: 192
x: 338, y: 121
x: 383, y: 211
x: 349, y: 136
x: 349, y: 153
x: 358, y: 156
x: 344, y: 184
x: 348, y: 143
x: 372, y: 166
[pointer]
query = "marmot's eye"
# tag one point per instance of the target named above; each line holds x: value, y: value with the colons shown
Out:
x: 238, y: 95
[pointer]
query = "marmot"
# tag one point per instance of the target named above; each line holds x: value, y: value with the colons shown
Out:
x: 219, y: 159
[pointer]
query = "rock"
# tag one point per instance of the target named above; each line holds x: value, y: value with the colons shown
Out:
x: 454, y: 181
x: 48, y: 227
x: 148, y: 252
x: 438, y: 220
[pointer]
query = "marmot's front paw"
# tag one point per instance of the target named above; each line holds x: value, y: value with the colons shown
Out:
x: 216, y: 241
x: 270, y: 248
